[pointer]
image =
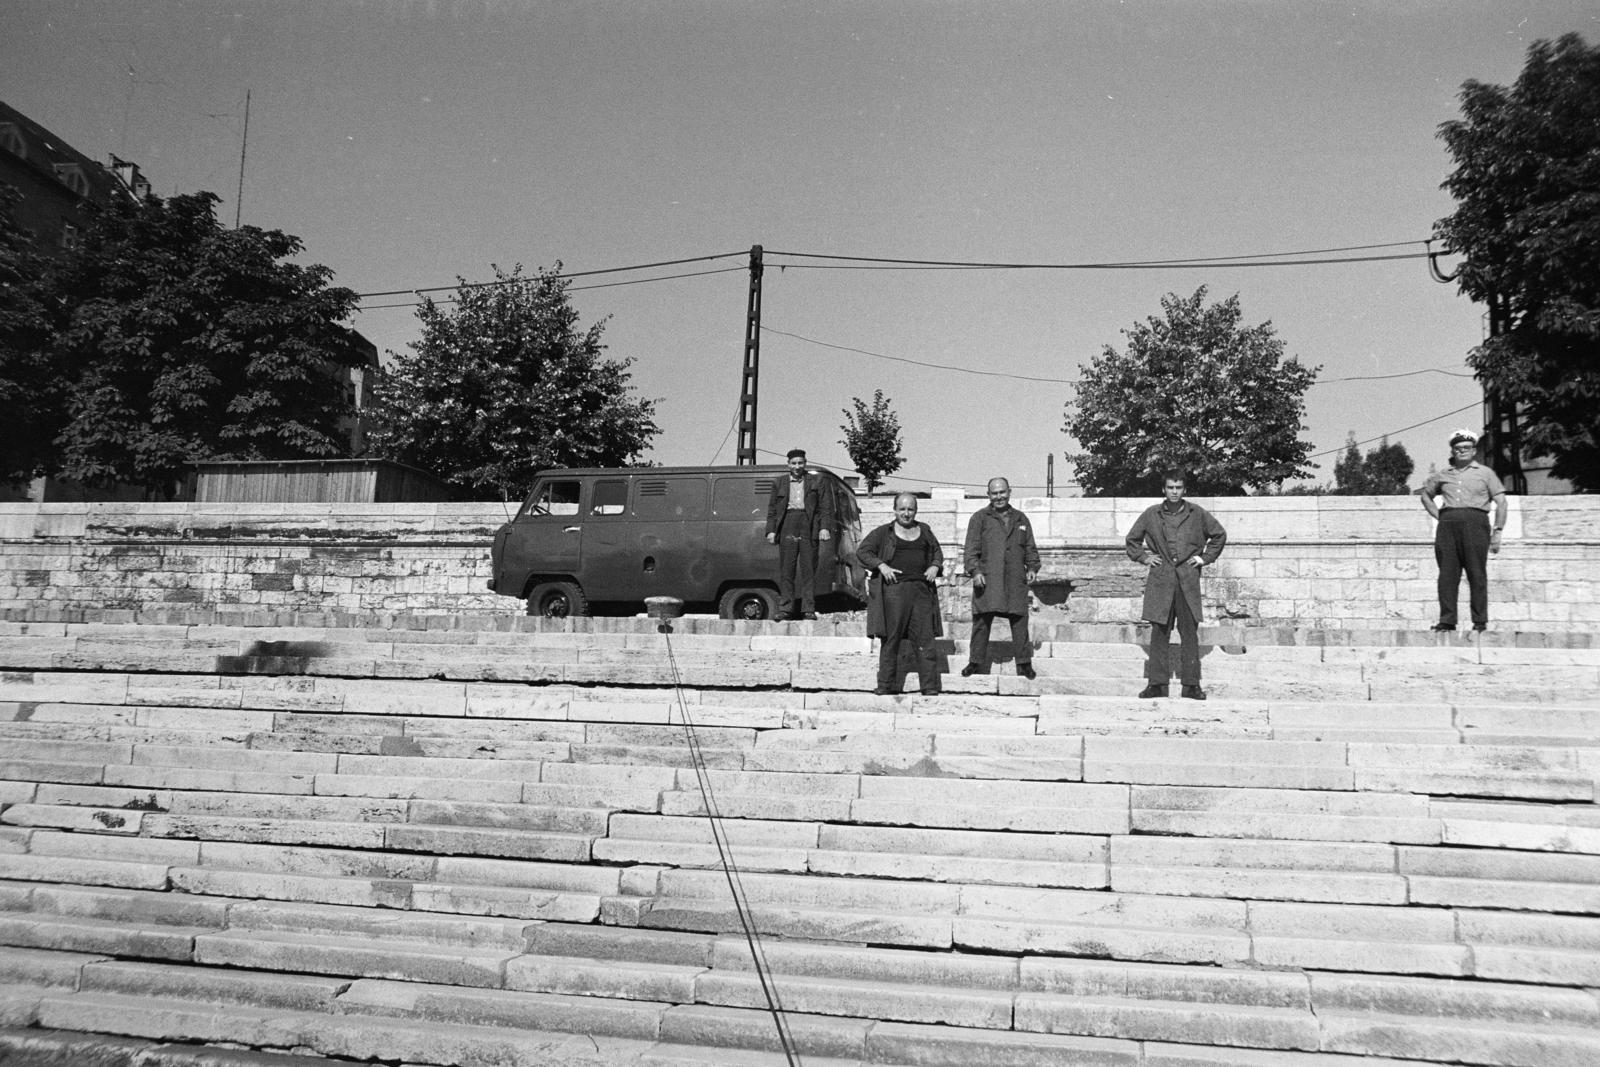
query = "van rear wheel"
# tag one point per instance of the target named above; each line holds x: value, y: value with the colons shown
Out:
x: 753, y: 604
x: 556, y: 600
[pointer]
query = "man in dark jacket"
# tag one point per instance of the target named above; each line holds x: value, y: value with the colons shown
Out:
x: 799, y: 514
x: 1002, y: 558
x: 1174, y: 539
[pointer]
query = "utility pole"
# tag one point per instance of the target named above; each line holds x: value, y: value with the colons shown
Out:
x: 244, y: 143
x: 1502, y: 440
x: 746, y: 456
x: 1503, y: 444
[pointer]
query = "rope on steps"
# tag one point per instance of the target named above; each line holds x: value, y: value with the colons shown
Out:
x: 730, y: 868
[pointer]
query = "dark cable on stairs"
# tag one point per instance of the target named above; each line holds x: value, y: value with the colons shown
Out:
x: 730, y: 869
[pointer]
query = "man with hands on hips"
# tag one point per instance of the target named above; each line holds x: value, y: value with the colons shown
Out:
x: 1174, y: 539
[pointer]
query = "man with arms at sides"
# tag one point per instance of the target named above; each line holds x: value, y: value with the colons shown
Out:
x: 799, y: 515
x: 1463, y: 539
x: 902, y: 559
x: 1002, y: 558
x: 1174, y: 539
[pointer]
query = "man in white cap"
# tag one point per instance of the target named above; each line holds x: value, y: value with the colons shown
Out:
x: 1463, y: 539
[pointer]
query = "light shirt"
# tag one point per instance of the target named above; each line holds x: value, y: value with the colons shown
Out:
x: 797, y: 493
x: 1472, y: 486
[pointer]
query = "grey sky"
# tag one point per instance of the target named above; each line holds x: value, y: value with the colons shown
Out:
x: 409, y: 142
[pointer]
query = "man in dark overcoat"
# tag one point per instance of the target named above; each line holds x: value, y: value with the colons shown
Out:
x: 1174, y: 538
x: 799, y: 514
x: 1002, y: 558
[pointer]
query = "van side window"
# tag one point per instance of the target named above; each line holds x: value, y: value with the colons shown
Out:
x: 741, y: 497
x: 610, y: 497
x: 557, y: 498
x: 670, y: 499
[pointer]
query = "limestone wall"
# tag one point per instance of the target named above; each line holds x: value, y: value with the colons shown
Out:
x: 1331, y: 561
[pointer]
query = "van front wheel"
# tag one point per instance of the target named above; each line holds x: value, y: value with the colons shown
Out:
x: 556, y: 600
x: 752, y: 604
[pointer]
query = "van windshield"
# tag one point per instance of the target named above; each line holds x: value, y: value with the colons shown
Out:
x: 553, y: 498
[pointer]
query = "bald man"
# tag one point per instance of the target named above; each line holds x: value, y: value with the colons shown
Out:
x: 1002, y: 559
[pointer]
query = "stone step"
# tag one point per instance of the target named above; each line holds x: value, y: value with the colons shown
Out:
x: 62, y: 1048
x: 561, y: 718
x: 358, y: 1036
x: 472, y: 1023
x: 1063, y: 669
x: 835, y: 633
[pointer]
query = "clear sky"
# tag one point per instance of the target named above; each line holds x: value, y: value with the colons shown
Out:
x: 411, y: 141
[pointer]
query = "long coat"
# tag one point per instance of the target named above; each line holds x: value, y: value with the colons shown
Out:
x: 819, y: 505
x: 1198, y: 534
x: 1000, y: 547
x: 878, y: 547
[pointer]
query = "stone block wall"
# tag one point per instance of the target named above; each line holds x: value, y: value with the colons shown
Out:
x: 1344, y: 562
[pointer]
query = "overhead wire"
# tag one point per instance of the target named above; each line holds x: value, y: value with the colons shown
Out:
x: 1263, y: 259
x: 1070, y: 381
x: 570, y: 288
x: 563, y: 275
x: 1253, y: 259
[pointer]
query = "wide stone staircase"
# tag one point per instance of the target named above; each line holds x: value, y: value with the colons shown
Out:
x: 483, y: 841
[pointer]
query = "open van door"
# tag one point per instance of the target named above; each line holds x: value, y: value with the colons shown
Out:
x: 838, y: 571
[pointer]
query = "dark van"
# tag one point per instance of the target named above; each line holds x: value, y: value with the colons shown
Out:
x: 600, y: 540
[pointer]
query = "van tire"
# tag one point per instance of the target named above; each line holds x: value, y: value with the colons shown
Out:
x: 556, y: 600
x: 748, y: 603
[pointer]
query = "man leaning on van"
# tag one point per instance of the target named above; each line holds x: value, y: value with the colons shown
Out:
x: 799, y: 515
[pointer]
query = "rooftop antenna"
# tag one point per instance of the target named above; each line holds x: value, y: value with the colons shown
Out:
x: 244, y: 143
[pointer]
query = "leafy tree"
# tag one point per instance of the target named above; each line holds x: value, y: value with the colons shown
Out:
x: 30, y: 390
x: 181, y: 340
x: 503, y: 385
x: 872, y: 438
x: 1197, y: 391
x: 1527, y: 224
x: 1383, y: 472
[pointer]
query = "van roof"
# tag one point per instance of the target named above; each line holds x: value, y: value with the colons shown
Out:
x: 764, y: 468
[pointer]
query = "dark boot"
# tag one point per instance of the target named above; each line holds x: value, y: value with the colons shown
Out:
x: 1151, y: 691
x: 972, y: 668
x: 1193, y: 692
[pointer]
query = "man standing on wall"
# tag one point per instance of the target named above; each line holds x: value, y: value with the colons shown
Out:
x: 1002, y: 558
x: 1174, y: 539
x: 799, y: 515
x: 1463, y: 540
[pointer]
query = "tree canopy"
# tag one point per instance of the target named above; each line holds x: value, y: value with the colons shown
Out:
x: 29, y: 389
x: 171, y: 339
x: 1382, y: 472
x: 1193, y: 390
x: 1527, y: 226
x: 872, y: 438
x: 502, y: 384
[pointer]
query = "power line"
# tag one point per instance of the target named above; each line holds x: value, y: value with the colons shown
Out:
x: 1072, y: 381
x: 1258, y: 259
x: 563, y: 276
x: 920, y: 363
x: 1263, y: 259
x: 570, y: 289
x: 1343, y: 448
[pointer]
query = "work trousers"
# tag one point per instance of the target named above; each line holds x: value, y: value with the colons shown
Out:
x: 1021, y: 643
x: 1461, y: 543
x: 1158, y: 668
x: 797, y: 565
x: 908, y: 607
